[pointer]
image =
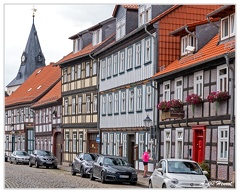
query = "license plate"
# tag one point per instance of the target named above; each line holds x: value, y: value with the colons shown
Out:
x: 123, y: 176
x: 49, y: 162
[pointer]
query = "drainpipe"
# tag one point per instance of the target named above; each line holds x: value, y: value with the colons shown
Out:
x: 153, y: 85
x: 98, y: 103
x: 192, y: 34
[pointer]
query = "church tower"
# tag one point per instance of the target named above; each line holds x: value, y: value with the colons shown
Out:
x: 31, y: 59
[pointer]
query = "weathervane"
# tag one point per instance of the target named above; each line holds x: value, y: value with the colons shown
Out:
x: 34, y: 10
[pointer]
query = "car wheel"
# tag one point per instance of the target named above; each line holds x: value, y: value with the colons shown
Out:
x: 73, y: 172
x: 103, y: 178
x: 54, y: 167
x: 91, y: 176
x: 164, y: 186
x: 36, y: 164
x: 29, y: 163
x: 16, y: 162
x: 82, y: 172
x: 150, y: 184
x: 47, y: 167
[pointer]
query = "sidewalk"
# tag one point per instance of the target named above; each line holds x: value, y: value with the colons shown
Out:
x: 143, y: 182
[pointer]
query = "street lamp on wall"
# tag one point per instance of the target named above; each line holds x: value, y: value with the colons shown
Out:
x: 147, y: 121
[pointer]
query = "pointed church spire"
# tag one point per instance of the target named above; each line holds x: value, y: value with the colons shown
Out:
x: 31, y: 59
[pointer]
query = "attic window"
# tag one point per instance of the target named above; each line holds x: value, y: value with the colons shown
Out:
x: 39, y: 87
x: 228, y: 27
x: 97, y: 36
x: 186, y: 41
x: 29, y: 89
x: 77, y: 45
x: 39, y: 71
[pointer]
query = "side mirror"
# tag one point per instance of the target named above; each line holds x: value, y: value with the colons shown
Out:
x: 160, y: 170
x: 81, y: 158
x: 101, y: 164
x: 205, y: 172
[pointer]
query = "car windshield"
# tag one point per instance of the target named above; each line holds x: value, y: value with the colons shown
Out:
x: 89, y: 157
x: 115, y: 161
x: 21, y: 153
x: 184, y: 167
x: 44, y: 153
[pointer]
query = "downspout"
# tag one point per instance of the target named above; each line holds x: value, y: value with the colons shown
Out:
x: 98, y: 103
x: 192, y: 34
x: 153, y: 85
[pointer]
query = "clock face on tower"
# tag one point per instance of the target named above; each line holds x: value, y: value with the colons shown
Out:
x: 39, y: 58
x: 23, y: 58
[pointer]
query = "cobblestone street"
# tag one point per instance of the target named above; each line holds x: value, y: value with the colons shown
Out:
x: 23, y: 176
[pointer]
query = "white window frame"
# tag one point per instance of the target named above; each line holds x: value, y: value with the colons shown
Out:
x: 149, y: 95
x: 80, y: 142
x: 65, y: 108
x: 79, y: 104
x: 115, y: 64
x: 74, y: 145
x: 222, y: 80
x: 147, y: 50
x: 179, y: 143
x: 103, y: 69
x: 228, y: 26
x: 167, y: 143
x: 87, y: 69
x: 95, y: 103
x: 122, y: 61
x: 94, y: 71
x: 223, y: 143
x: 120, y: 28
x: 141, y: 145
x: 179, y: 88
x: 67, y: 142
x: 131, y: 100
x: 198, y: 83
x: 187, y: 40
x: 166, y: 91
x: 65, y: 75
x: 117, y: 153
x: 104, y: 104
x: 73, y: 105
x: 145, y: 14
x: 97, y: 36
x: 139, y: 99
x: 124, y: 145
x: 123, y: 101
x: 129, y: 58
x: 72, y: 72
x: 138, y: 55
x: 232, y: 25
x: 105, y: 143
x: 77, y: 45
x: 109, y: 66
x: 88, y: 104
x: 110, y: 103
x: 111, y: 142
x: 116, y: 102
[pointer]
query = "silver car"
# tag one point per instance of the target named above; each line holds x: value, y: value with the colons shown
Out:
x: 178, y: 173
x: 19, y: 157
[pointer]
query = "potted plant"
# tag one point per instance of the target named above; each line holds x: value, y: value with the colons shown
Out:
x: 175, y: 104
x: 218, y: 97
x: 163, y: 106
x: 193, y: 100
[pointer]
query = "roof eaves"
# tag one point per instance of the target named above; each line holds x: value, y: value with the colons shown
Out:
x: 215, y: 12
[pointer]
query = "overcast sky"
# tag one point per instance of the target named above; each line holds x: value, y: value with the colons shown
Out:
x: 54, y: 23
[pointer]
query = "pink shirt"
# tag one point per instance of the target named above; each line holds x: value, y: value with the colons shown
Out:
x: 145, y: 157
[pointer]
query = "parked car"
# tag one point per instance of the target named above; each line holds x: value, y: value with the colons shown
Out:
x: 43, y: 158
x: 83, y: 163
x: 19, y: 157
x: 178, y: 173
x: 113, y: 169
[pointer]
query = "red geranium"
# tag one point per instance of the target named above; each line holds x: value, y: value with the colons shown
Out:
x: 193, y: 99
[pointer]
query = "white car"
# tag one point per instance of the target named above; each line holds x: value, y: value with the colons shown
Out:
x: 178, y: 173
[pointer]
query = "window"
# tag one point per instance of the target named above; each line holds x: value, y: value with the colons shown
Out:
x: 110, y: 103
x: 80, y: 142
x: 120, y: 27
x: 94, y: 68
x: 198, y: 83
x: 122, y: 61
x: 65, y: 107
x: 166, y: 91
x: 178, y: 88
x: 79, y: 104
x: 103, y: 104
x: 74, y: 142
x: 129, y: 58
x: 123, y: 101
x: 73, y: 106
x: 111, y: 144
x: 145, y: 14
x: 223, y: 143
x: 148, y: 97
x: 116, y: 102
x: 141, y: 145
x: 117, y: 144
x: 139, y: 99
x: 103, y: 69
x: 188, y: 40
x: 167, y: 143
x: 88, y: 104
x: 77, y: 45
x: 87, y: 69
x: 65, y: 75
x: 95, y: 103
x: 179, y: 143
x: 79, y: 70
x: 222, y: 78
x: 72, y: 73
x: 67, y: 142
x: 138, y: 55
x: 124, y: 145
x: 23, y: 143
x: 131, y: 100
x: 147, y: 50
x: 228, y: 27
x: 97, y: 36
x: 109, y: 67
x: 115, y: 64
x: 105, y: 142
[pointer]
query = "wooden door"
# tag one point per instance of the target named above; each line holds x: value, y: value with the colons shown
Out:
x: 199, y: 137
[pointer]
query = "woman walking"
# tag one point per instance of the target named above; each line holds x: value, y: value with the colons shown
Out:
x: 145, y: 159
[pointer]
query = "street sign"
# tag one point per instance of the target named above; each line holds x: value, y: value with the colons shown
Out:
x: 98, y: 139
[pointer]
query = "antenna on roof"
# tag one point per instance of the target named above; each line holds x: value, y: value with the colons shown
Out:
x: 34, y: 10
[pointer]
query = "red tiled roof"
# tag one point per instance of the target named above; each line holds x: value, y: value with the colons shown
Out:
x: 210, y: 51
x: 40, y: 81
x: 126, y: 6
x: 52, y: 96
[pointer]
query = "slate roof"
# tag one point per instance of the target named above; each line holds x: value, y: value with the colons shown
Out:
x: 38, y: 84
x: 212, y: 50
x: 32, y: 50
x: 126, y: 6
x: 52, y: 97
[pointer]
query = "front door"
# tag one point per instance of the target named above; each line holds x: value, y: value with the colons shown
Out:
x: 199, y: 137
x: 93, y: 145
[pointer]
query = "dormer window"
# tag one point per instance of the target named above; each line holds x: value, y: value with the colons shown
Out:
x: 187, y: 41
x: 121, y: 28
x: 77, y: 45
x: 145, y: 14
x: 97, y: 36
x: 228, y: 27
